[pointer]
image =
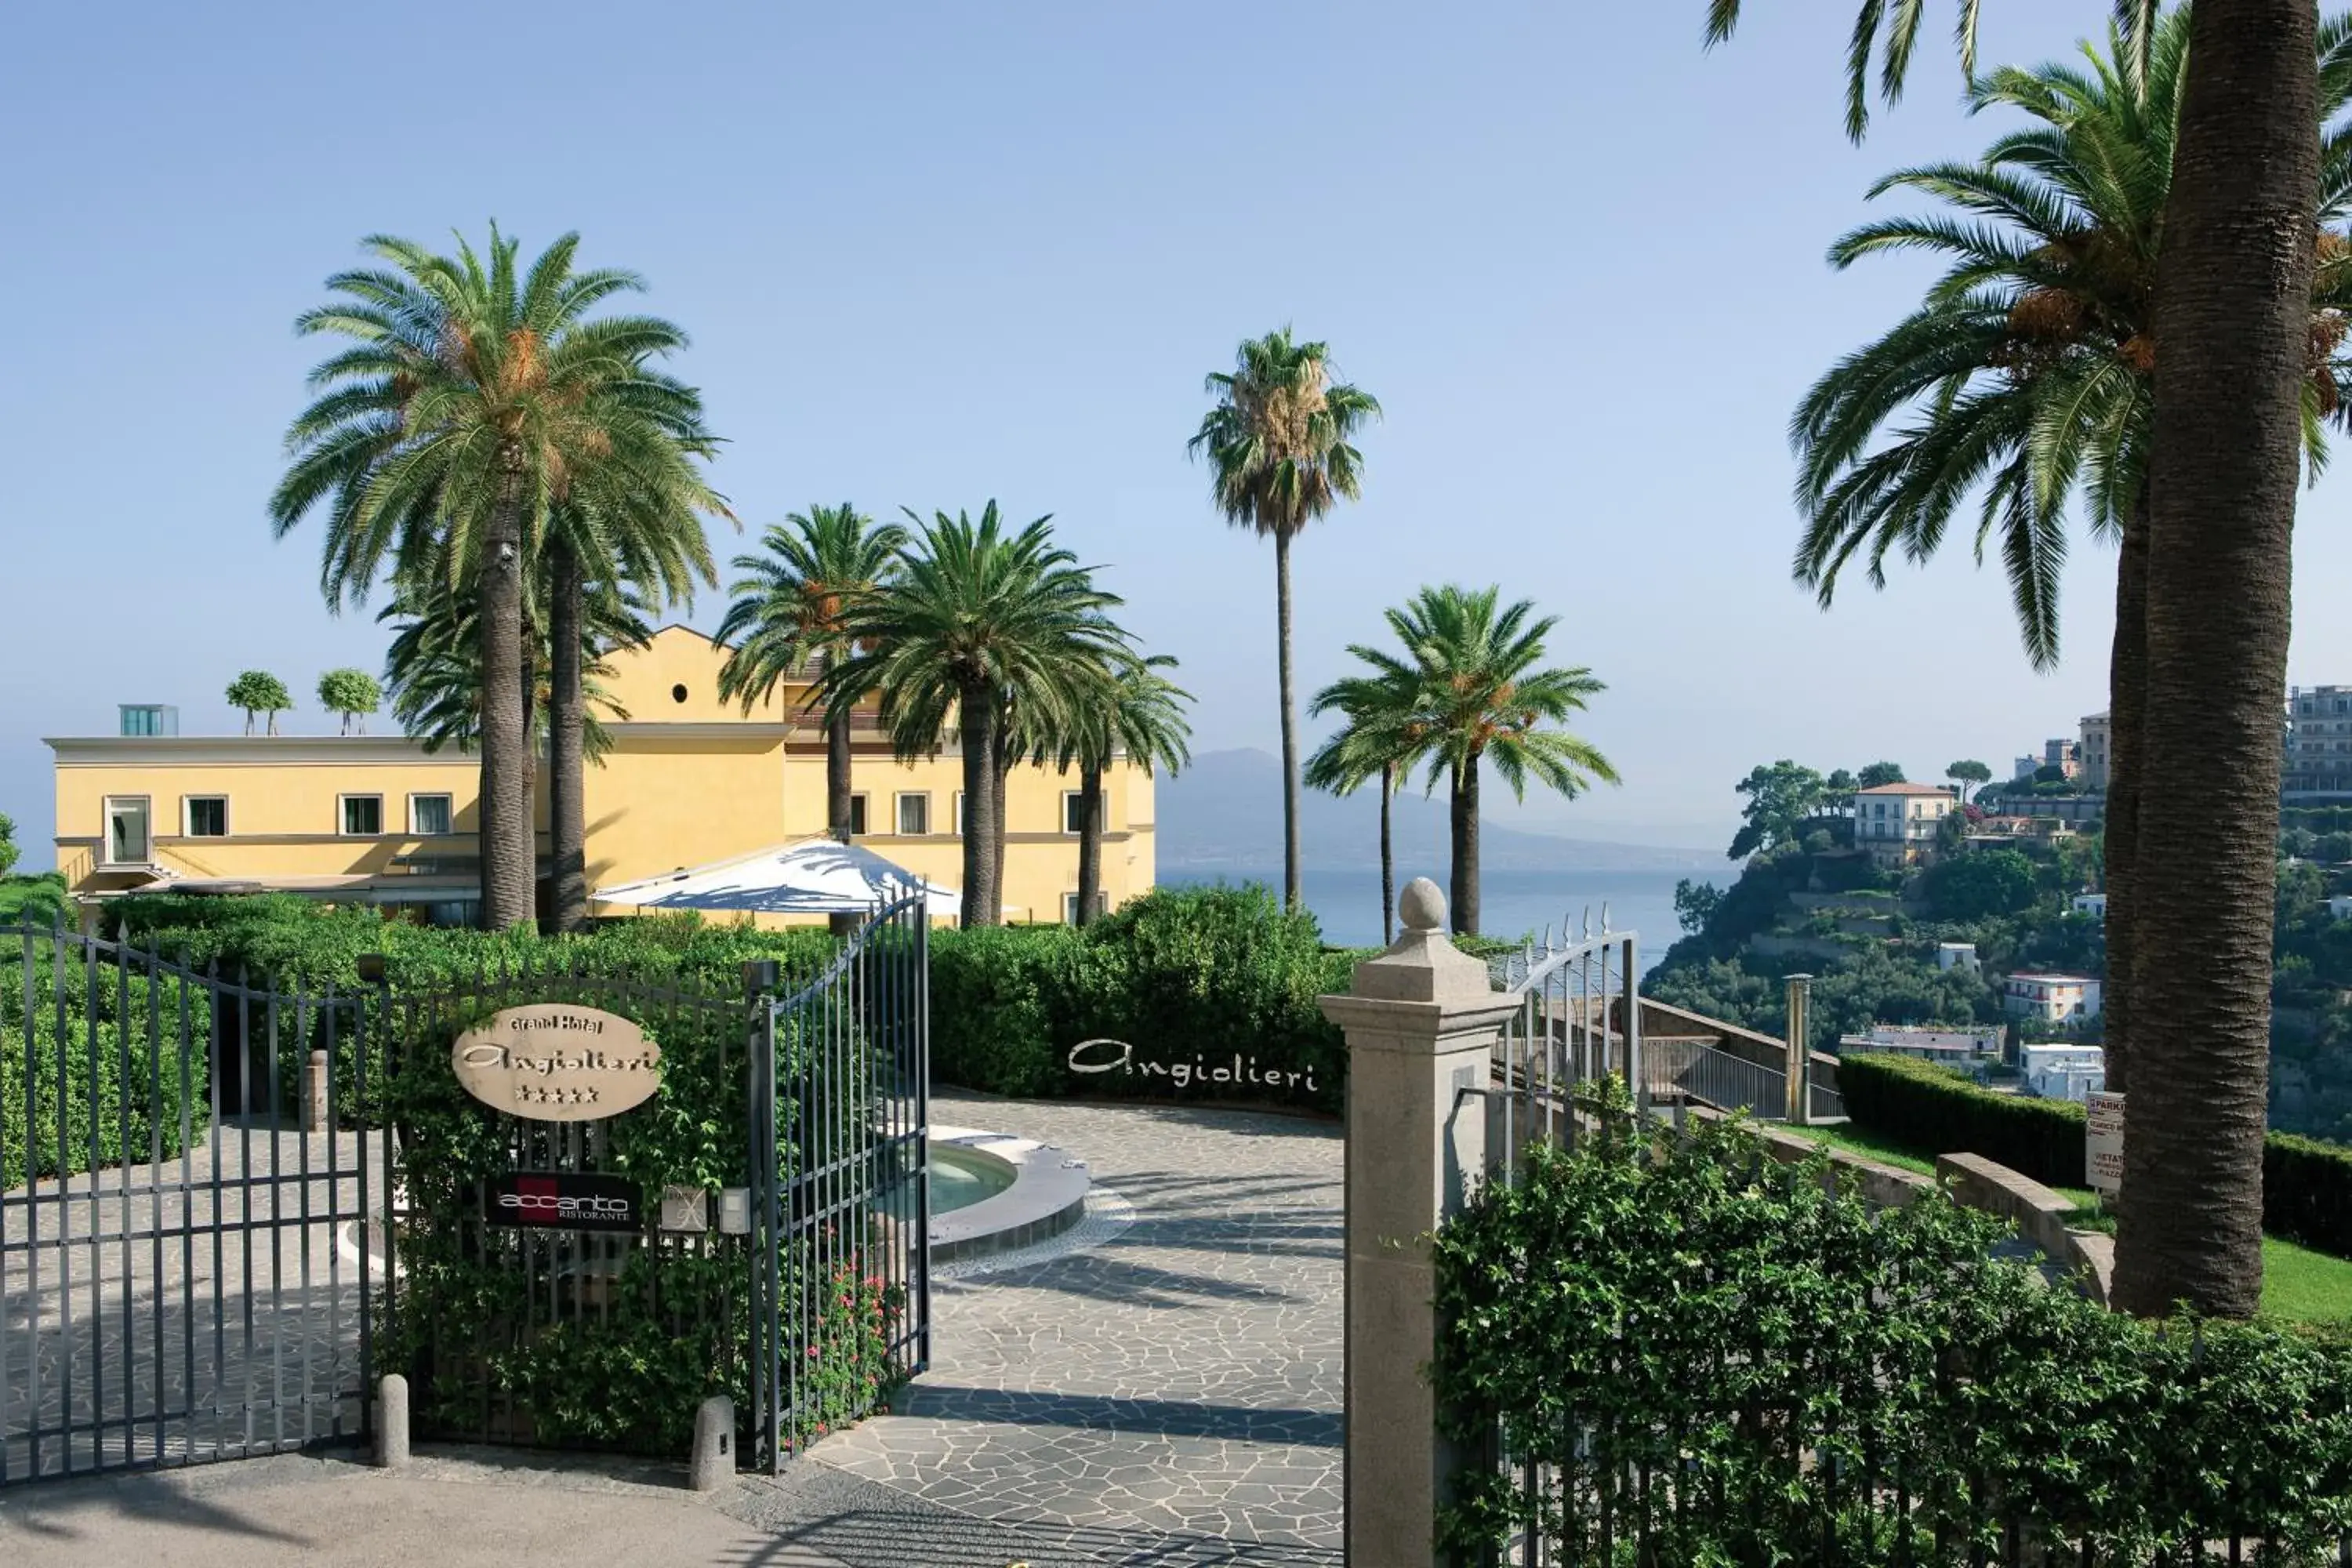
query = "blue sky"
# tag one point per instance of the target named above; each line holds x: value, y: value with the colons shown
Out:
x: 933, y: 254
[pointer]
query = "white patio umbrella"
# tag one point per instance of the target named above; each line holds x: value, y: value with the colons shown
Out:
x: 816, y: 877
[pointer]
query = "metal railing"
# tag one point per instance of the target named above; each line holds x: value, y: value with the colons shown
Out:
x: 1695, y: 1072
x: 1580, y: 1020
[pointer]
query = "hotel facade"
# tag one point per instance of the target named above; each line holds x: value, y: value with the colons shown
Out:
x: 689, y: 781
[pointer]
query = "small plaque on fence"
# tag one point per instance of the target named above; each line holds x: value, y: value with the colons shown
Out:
x: 555, y: 1062
x: 566, y: 1200
x: 684, y: 1208
x: 2103, y: 1142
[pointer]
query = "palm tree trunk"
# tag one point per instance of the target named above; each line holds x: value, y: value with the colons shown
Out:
x: 509, y: 873
x: 2126, y: 717
x: 837, y: 800
x: 1292, y: 895
x: 836, y: 775
x: 2233, y: 315
x: 1090, y: 816
x: 1003, y: 774
x: 567, y: 720
x: 1388, y: 859
x: 976, y: 722
x: 1464, y: 812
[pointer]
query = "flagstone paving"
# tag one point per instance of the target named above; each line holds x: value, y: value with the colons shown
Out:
x: 1168, y: 1394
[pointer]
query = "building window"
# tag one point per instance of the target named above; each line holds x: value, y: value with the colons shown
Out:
x: 361, y: 815
x: 428, y: 816
x: 1070, y: 906
x: 914, y: 815
x: 959, y: 813
x: 205, y: 816
x: 858, y: 816
x: 1074, y: 812
x: 126, y: 829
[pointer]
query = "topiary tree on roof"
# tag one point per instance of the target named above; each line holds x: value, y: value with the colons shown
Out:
x: 352, y: 693
x: 258, y: 691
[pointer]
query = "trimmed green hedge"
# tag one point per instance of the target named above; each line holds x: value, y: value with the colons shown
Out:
x: 1196, y: 980
x: 1639, y: 1308
x: 2307, y: 1191
x: 128, y: 1091
x: 1199, y: 993
x: 2306, y: 1185
x: 1932, y: 1107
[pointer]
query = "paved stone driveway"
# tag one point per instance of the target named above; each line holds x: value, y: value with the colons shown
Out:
x: 1171, y: 1396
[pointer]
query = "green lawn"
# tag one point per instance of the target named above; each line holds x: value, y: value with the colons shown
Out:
x: 2298, y: 1284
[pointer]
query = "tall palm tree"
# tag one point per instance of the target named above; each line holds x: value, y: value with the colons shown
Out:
x: 1279, y: 447
x: 1481, y: 692
x: 975, y: 620
x: 1382, y: 734
x: 636, y: 527
x: 476, y: 397
x: 789, y: 618
x: 1139, y: 715
x: 433, y: 668
x: 2030, y: 366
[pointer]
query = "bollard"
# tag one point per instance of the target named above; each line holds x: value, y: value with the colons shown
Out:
x: 314, y: 1094
x: 714, y: 1444
x: 391, y: 1421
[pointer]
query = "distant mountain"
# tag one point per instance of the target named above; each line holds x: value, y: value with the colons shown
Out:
x: 1223, y: 813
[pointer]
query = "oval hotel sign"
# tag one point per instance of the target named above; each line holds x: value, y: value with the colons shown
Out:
x: 555, y: 1062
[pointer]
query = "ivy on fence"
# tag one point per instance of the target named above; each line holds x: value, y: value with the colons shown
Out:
x: 1690, y: 1353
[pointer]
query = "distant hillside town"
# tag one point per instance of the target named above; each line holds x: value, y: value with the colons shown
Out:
x: 1961, y: 921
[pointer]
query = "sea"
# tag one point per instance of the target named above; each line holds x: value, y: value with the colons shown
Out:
x: 1346, y: 902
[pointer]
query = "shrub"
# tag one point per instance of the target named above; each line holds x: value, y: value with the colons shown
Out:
x: 1729, y: 1359
x: 1190, y: 977
x: 2306, y: 1184
x: 129, y: 1091
x: 2307, y: 1191
x: 470, y: 1324
x: 1933, y: 1107
x: 995, y: 995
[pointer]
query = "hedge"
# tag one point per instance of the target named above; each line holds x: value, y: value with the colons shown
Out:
x: 129, y: 1091
x: 2306, y: 1184
x: 1733, y: 1361
x: 469, y: 1323
x: 1195, y: 981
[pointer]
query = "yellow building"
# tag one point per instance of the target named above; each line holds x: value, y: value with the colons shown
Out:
x: 690, y: 780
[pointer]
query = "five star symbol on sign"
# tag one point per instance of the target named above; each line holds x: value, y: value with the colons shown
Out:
x: 546, y: 1094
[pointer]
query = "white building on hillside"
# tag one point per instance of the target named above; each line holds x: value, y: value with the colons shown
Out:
x: 2055, y: 998
x: 2064, y: 1072
x: 1896, y: 823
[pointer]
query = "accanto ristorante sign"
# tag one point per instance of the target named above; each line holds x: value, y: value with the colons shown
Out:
x: 561, y: 1200
x: 555, y: 1062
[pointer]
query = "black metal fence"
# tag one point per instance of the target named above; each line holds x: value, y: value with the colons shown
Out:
x: 841, y: 1200
x: 178, y: 1278
x: 226, y: 1206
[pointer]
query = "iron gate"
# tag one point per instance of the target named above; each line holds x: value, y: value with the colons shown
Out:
x: 841, y: 1198
x: 179, y: 1275
x: 210, y: 1213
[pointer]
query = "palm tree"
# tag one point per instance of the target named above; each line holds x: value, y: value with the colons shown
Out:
x: 2030, y: 365
x: 1278, y: 446
x: 788, y: 618
x: 975, y: 621
x: 477, y: 399
x: 1480, y: 691
x: 433, y: 670
x: 1382, y: 734
x: 636, y: 526
x: 1139, y: 714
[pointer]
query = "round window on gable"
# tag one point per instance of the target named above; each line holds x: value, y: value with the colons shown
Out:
x: 677, y: 694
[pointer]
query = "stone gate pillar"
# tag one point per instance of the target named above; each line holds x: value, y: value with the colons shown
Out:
x: 1422, y: 1021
